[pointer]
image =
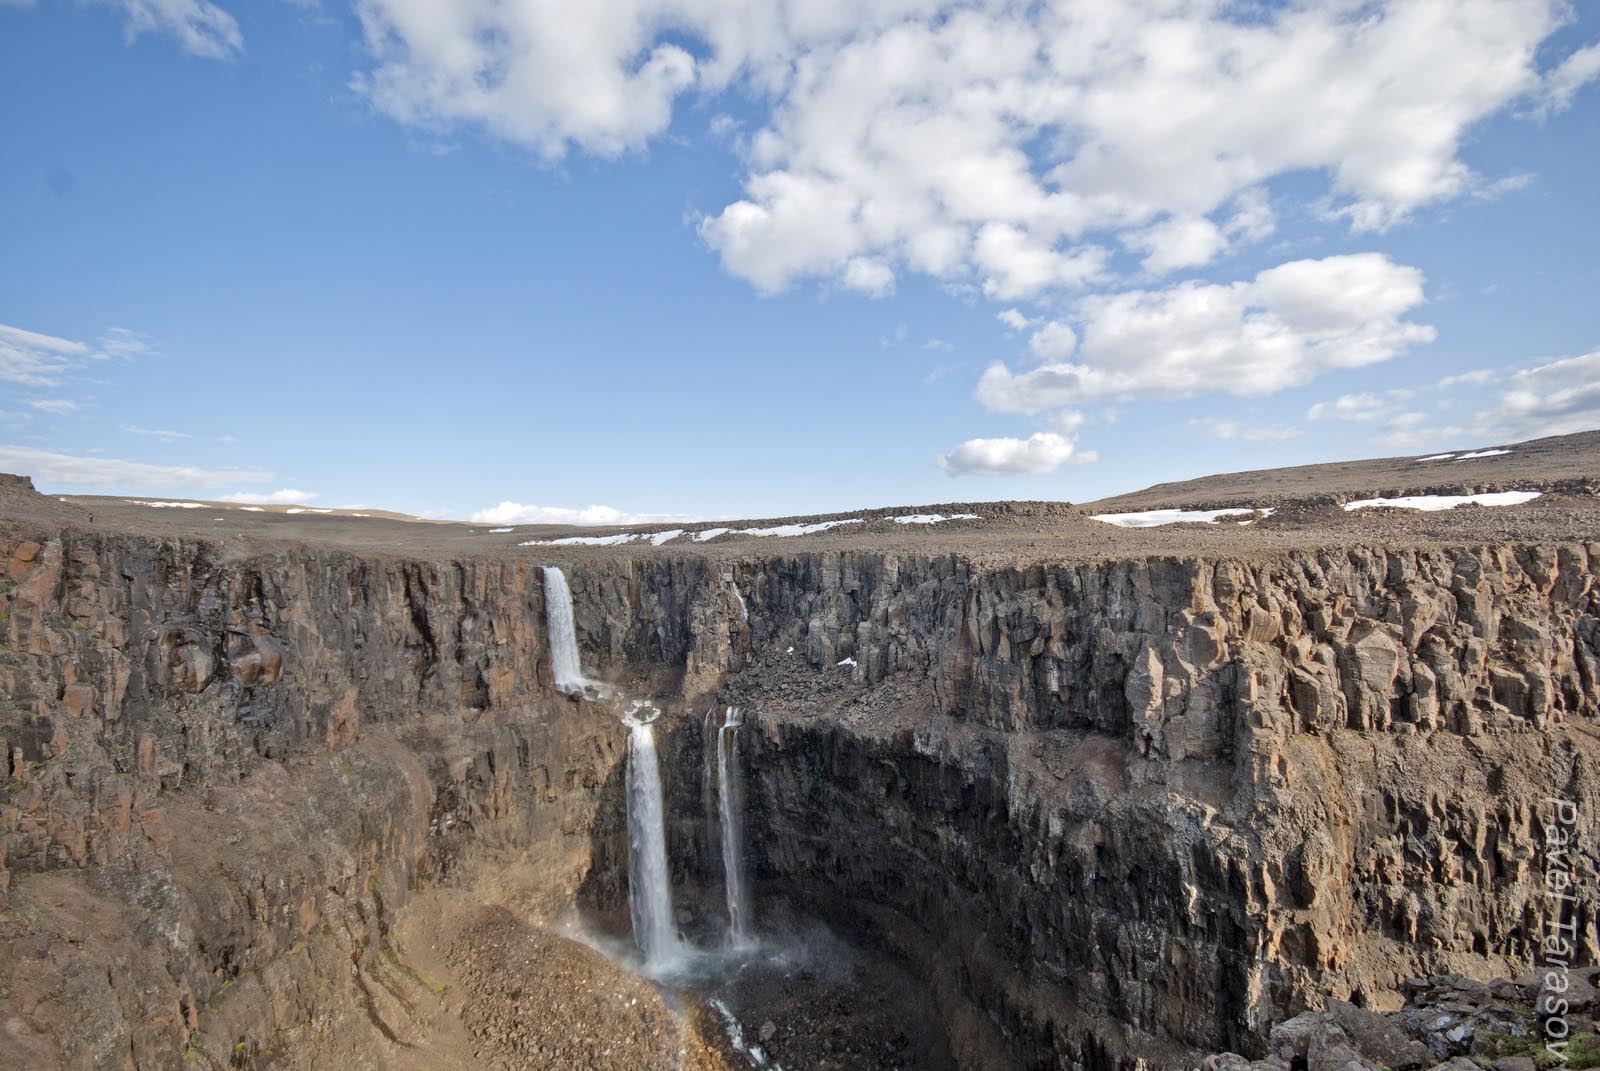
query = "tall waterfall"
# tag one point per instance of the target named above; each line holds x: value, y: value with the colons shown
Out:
x: 564, y: 661
x: 649, y: 888
x: 732, y: 816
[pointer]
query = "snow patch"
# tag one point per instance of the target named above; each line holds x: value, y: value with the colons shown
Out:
x: 933, y: 518
x: 1482, y: 453
x: 498, y: 531
x: 252, y: 509
x: 1434, y: 503
x: 169, y: 505
x: 1153, y: 518
x: 1437, y: 457
x: 851, y: 662
x: 658, y: 538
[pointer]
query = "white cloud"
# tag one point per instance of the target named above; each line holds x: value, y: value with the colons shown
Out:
x: 202, y: 28
x: 39, y: 360
x: 1014, y: 319
x: 1218, y: 428
x: 870, y: 277
x: 59, y: 406
x: 1055, y: 341
x: 1476, y: 378
x: 156, y: 433
x: 1281, y: 329
x: 1000, y: 144
x: 1176, y: 243
x: 1561, y: 85
x: 1365, y: 406
x: 1041, y: 452
x: 1556, y: 398
x: 288, y: 496
x: 517, y: 513
x: 76, y: 471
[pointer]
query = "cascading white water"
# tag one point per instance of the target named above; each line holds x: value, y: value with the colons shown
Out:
x: 649, y: 888
x: 564, y: 660
x: 732, y: 821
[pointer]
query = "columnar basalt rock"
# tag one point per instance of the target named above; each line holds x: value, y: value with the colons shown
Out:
x: 1112, y: 811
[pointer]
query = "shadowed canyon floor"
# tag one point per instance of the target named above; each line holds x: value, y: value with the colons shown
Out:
x: 1020, y: 790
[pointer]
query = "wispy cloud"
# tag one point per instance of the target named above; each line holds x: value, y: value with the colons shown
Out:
x: 156, y: 433
x: 59, y: 406
x: 103, y: 472
x: 39, y: 360
x: 1217, y: 428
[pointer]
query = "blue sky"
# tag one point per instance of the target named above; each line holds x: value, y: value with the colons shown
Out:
x: 675, y: 259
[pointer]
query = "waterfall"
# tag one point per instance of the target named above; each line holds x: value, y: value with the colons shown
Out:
x: 732, y: 827
x: 744, y: 611
x: 649, y: 889
x: 564, y: 661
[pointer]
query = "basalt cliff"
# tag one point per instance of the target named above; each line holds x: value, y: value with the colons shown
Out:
x: 1104, y: 810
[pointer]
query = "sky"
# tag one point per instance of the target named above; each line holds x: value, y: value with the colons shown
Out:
x: 526, y: 260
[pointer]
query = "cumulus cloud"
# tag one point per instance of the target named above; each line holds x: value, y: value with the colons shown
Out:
x: 288, y: 496
x: 995, y: 144
x: 517, y: 513
x: 103, y: 472
x: 1281, y: 329
x: 1055, y: 341
x: 1041, y: 452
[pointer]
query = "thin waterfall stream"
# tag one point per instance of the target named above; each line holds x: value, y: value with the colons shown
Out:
x: 731, y: 813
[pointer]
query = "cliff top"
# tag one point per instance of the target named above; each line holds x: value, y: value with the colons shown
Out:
x: 1246, y: 514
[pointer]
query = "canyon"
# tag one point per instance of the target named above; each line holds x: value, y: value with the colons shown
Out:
x: 301, y: 792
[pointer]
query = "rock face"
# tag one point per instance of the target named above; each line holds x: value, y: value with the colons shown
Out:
x: 1116, y: 812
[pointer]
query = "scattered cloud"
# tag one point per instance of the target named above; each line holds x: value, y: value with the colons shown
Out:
x: 1054, y: 341
x: 200, y: 27
x: 1282, y: 329
x: 517, y: 513
x: 1476, y: 378
x: 38, y: 360
x: 288, y: 496
x: 1041, y: 452
x: 58, y: 406
x: 73, y: 470
x: 1014, y: 319
x: 1217, y: 428
x: 1562, y: 83
x: 999, y: 144
x: 1556, y: 398
x: 156, y: 433
x: 1364, y: 406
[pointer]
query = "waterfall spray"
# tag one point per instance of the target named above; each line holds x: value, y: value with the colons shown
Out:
x: 649, y: 887
x: 732, y: 817
x: 564, y: 660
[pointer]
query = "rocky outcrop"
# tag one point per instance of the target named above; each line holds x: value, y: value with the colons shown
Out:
x: 1111, y: 811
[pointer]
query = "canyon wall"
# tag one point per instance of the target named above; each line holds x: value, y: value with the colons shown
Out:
x: 1111, y: 811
